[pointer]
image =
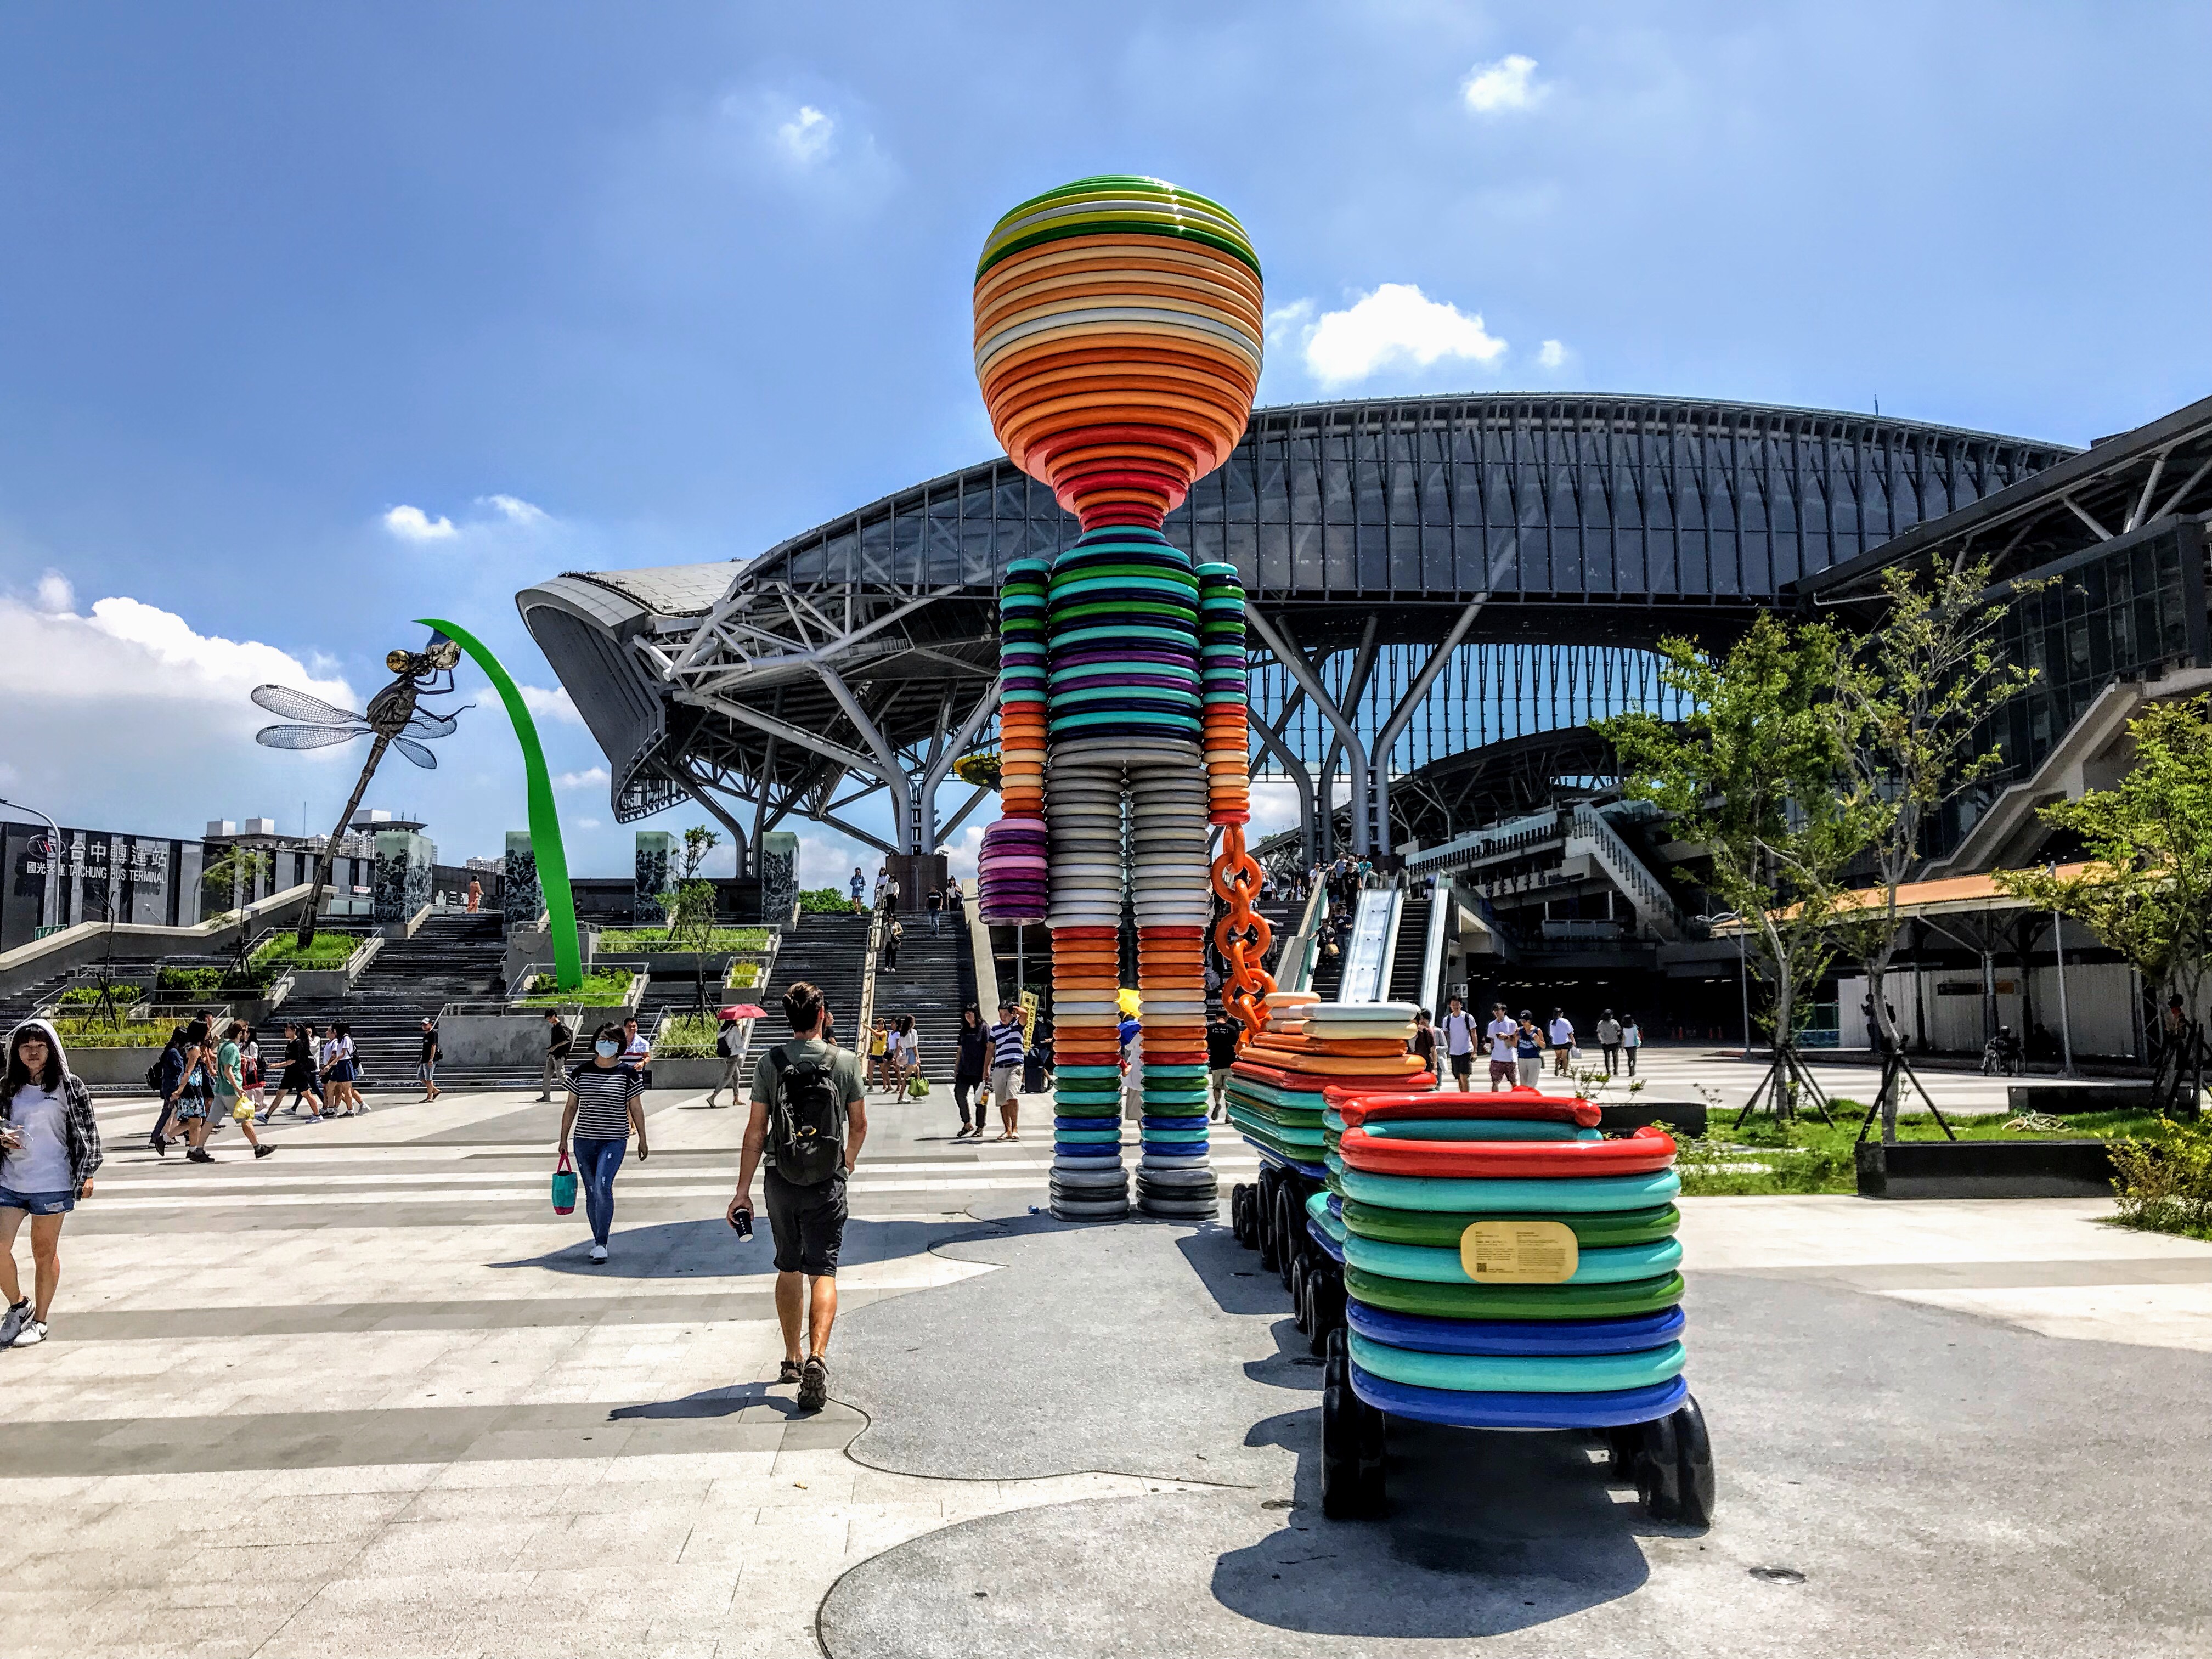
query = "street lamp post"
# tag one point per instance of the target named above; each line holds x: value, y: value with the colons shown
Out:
x: 53, y: 900
x: 2058, y: 949
x: 1742, y: 967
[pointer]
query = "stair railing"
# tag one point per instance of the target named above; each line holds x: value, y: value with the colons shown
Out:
x: 1626, y: 869
x: 872, y: 951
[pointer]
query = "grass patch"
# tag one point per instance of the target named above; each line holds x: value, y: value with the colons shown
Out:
x: 324, y: 950
x: 119, y: 1034
x: 79, y: 996
x: 654, y: 941
x: 1764, y: 1158
x: 687, y: 1036
x: 602, y: 989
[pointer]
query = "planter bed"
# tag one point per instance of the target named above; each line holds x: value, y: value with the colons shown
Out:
x: 1685, y: 1117
x: 1985, y: 1168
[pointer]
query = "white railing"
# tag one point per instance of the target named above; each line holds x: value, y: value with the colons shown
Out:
x: 1627, y: 872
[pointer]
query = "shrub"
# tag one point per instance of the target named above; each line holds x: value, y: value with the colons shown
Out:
x: 189, y: 979
x: 649, y: 941
x: 324, y: 951
x: 79, y: 994
x: 825, y: 898
x: 598, y: 990
x: 2165, y: 1186
x: 744, y: 975
x: 687, y: 1036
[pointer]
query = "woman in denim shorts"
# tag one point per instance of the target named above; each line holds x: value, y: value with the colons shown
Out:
x: 49, y: 1148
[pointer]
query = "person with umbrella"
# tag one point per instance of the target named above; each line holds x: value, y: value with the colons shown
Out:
x: 729, y: 1046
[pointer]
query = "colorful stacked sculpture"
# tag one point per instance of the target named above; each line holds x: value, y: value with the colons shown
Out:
x: 1505, y: 1267
x: 1119, y: 323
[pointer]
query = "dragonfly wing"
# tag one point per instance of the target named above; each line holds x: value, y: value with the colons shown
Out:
x: 427, y: 724
x: 299, y: 706
x: 415, y: 752
x: 305, y: 737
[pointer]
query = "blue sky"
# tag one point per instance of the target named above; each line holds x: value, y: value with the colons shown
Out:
x: 598, y: 286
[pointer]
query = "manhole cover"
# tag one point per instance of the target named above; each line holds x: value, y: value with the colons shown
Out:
x: 1778, y: 1574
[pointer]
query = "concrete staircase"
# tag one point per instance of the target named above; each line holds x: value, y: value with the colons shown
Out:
x: 1590, y: 834
x: 934, y: 979
x: 2093, y: 755
x: 453, y: 958
x: 827, y: 949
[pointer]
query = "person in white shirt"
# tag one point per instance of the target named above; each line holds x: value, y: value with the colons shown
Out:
x: 637, y: 1053
x: 1458, y: 1026
x: 1562, y: 1034
x: 1502, y: 1030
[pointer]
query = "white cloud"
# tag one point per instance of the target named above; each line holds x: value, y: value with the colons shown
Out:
x: 1551, y: 355
x: 55, y: 592
x: 412, y: 524
x: 807, y: 138
x: 590, y: 777
x: 1502, y: 88
x: 587, y: 823
x: 515, y: 510
x: 962, y: 850
x: 128, y: 716
x: 1394, y: 325
x: 554, y: 705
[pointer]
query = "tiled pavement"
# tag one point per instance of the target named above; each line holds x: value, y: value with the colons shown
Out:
x: 368, y: 1397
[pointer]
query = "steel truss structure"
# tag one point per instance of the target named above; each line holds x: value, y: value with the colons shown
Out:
x: 1425, y: 576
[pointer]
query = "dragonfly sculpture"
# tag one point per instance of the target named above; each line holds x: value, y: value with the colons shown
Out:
x: 395, y: 719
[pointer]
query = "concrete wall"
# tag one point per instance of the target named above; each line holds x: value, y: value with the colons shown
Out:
x: 85, y: 945
x: 2100, y: 1006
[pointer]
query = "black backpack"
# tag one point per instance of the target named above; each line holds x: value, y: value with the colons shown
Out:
x: 806, y: 1131
x: 161, y: 1075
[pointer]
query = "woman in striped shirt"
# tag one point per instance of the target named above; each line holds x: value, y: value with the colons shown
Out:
x: 606, y: 1101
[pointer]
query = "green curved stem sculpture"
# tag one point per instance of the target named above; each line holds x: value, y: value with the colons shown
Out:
x: 545, y: 821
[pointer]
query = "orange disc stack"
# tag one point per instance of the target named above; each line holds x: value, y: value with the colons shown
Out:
x: 1119, y: 328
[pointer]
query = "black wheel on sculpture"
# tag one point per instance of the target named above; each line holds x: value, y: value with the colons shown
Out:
x: 1289, y: 1225
x: 1301, y: 1276
x: 1236, y: 1212
x: 1694, y: 1461
x: 1659, y: 1470
x: 1626, y: 1444
x: 1336, y: 1360
x: 1325, y: 1297
x: 1350, y: 1455
x: 1263, y: 1232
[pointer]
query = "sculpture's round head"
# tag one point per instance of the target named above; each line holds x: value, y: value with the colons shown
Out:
x: 1119, y: 323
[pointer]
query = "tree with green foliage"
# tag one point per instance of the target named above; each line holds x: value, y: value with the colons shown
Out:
x: 227, y: 882
x: 1913, y: 695
x: 688, y: 901
x: 2146, y: 886
x: 1754, y: 773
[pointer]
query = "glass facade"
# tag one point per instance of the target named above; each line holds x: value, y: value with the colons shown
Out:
x: 1432, y: 499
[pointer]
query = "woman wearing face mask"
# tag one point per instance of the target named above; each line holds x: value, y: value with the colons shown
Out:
x: 606, y: 1102
x: 49, y: 1148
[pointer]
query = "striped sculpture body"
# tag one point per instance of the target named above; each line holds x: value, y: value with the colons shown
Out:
x: 1118, y: 332
x: 1583, y: 1332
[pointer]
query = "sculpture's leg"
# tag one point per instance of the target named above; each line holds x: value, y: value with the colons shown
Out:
x: 1083, y: 808
x: 1173, y: 901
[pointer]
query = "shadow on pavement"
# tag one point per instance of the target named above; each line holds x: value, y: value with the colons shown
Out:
x: 706, y: 1248
x: 1486, y: 1533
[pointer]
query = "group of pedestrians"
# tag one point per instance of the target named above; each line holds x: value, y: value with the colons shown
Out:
x: 990, y: 1059
x: 808, y: 1121
x: 1517, y: 1045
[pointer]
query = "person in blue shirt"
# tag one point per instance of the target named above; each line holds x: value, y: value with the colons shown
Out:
x: 1529, y: 1050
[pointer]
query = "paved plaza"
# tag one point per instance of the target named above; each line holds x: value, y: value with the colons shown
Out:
x: 369, y: 1397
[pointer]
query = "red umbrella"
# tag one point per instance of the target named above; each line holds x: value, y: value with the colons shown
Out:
x: 743, y: 1010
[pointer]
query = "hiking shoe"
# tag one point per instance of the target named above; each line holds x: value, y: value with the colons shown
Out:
x: 787, y: 1372
x: 263, y: 1150
x: 814, y: 1384
x: 598, y: 1253
x: 33, y: 1333
x: 200, y: 1155
x: 12, y: 1323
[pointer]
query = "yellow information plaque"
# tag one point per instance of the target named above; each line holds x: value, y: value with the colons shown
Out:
x: 1518, y: 1252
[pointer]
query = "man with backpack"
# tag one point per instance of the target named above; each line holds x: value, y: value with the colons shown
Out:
x: 810, y: 1117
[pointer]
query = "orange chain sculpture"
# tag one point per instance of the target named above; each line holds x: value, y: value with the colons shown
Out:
x: 1242, y: 936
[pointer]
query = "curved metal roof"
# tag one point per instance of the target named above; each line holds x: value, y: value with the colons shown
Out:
x: 848, y: 650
